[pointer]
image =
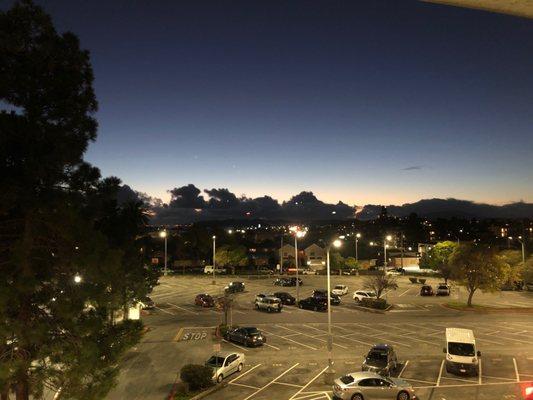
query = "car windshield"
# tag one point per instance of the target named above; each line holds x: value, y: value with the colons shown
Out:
x: 461, y: 349
x: 377, y: 356
x: 347, y: 379
x: 339, y: 287
x: 215, y: 361
x: 252, y: 331
x: 443, y: 287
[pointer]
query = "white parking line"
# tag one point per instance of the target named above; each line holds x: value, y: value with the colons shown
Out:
x: 403, y: 368
x: 165, y: 311
x: 472, y: 384
x: 289, y: 339
x: 236, y: 345
x: 516, y: 370
x: 479, y: 372
x: 243, y: 385
x: 312, y: 337
x: 183, y: 309
x: 287, y: 384
x: 269, y: 345
x: 244, y: 373
x: 440, y: 372
x: 272, y: 381
x: 308, y: 383
x: 405, y: 292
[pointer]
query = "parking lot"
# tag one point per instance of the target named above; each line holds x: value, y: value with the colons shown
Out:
x: 291, y: 364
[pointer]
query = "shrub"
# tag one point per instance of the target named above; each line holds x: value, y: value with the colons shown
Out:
x: 378, y: 304
x: 413, y: 280
x: 422, y: 281
x: 196, y: 376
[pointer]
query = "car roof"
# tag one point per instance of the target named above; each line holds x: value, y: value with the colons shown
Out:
x: 224, y: 354
x: 358, y: 376
x: 460, y: 335
x: 381, y: 346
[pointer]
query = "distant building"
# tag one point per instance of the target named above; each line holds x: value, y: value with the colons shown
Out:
x: 315, y: 257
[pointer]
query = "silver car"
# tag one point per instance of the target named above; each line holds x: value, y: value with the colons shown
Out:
x: 371, y: 386
x: 225, y: 364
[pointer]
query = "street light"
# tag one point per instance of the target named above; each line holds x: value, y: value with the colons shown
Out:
x: 357, y: 236
x: 297, y: 234
x: 214, y: 254
x: 77, y: 278
x: 329, y: 375
x: 163, y: 234
x: 388, y: 238
x: 523, y: 250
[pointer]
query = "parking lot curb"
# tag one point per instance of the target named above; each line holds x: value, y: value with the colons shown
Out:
x: 373, y: 310
x: 516, y: 310
x: 209, y: 391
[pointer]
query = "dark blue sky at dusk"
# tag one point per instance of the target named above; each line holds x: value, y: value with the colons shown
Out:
x: 360, y: 101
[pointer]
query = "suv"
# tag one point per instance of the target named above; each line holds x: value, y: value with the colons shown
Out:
x: 268, y: 303
x: 363, y: 294
x: 340, y: 290
x: 322, y: 294
x: 381, y: 359
x: 443, y: 289
x: 426, y: 290
x: 204, y: 300
x: 247, y: 336
x: 234, y: 287
x: 285, y: 298
x: 314, y: 303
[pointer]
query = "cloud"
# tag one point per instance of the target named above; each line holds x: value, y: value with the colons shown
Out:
x: 186, y: 197
x: 413, y: 168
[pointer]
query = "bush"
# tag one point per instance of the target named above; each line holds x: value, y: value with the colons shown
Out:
x: 378, y: 304
x: 422, y: 281
x: 413, y: 280
x: 196, y: 376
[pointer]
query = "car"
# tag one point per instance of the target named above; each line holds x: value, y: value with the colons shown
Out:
x: 224, y: 364
x: 359, y: 295
x: 340, y: 290
x: 248, y: 336
x: 351, y: 271
x: 371, y: 386
x: 208, y: 269
x: 269, y: 303
x: 147, y: 303
x: 261, y: 296
x: 443, y: 289
x: 528, y: 391
x: 204, y: 300
x: 286, y: 298
x: 313, y: 303
x: 426, y: 290
x: 381, y: 359
x: 282, y: 282
x: 265, y: 271
x: 394, y: 271
x: 461, y: 352
x: 234, y: 287
x: 333, y: 298
x: 293, y: 281
x: 309, y: 272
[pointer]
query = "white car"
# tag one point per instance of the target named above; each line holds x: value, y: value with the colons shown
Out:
x: 309, y: 272
x: 340, y: 290
x: 208, y: 269
x: 363, y: 294
x: 224, y: 364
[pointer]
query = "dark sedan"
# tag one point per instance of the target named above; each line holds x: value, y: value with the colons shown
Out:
x: 334, y: 299
x: 426, y: 290
x: 286, y: 298
x: 234, y: 287
x: 204, y: 300
x: 313, y: 303
x: 247, y: 336
x: 282, y: 282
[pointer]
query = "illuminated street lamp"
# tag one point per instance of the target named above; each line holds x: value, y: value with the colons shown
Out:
x: 330, y: 374
x: 388, y: 238
x: 297, y: 234
x: 357, y: 236
x: 163, y: 234
x: 523, y: 250
x: 77, y: 278
x: 214, y: 254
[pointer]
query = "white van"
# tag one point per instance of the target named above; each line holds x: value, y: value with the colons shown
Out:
x: 208, y: 269
x: 462, y: 356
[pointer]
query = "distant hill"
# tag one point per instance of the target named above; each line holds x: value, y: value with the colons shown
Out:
x: 448, y: 208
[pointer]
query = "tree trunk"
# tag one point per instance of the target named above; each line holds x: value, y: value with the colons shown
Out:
x: 4, y: 395
x: 21, y: 390
x: 470, y: 295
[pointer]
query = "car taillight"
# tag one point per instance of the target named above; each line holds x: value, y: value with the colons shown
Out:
x: 528, y: 391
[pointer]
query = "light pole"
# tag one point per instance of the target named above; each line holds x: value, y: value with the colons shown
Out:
x: 385, y: 240
x: 163, y: 234
x: 357, y: 236
x: 523, y: 250
x: 297, y: 234
x: 330, y: 374
x: 214, y: 254
x: 509, y: 238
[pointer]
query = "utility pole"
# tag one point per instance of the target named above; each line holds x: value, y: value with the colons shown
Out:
x: 401, y: 245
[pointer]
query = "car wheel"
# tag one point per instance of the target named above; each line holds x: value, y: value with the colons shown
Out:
x: 357, y: 396
x: 220, y: 378
x: 240, y: 367
x: 300, y: 306
x: 269, y: 309
x: 316, y: 308
x: 403, y: 395
x: 357, y: 300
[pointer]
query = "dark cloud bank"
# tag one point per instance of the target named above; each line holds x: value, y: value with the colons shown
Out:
x: 190, y: 204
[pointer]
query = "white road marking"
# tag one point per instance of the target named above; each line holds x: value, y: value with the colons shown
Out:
x: 287, y: 384
x: 165, y: 311
x: 440, y: 372
x: 183, y: 309
x: 290, y: 340
x: 243, y: 385
x: 269, y: 345
x: 244, y: 373
x: 472, y: 384
x: 516, y: 370
x: 272, y: 381
x: 405, y: 292
x: 312, y: 337
x: 403, y: 368
x: 233, y: 344
x: 479, y: 372
x: 307, y: 384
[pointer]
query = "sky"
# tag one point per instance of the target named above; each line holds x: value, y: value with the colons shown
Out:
x: 381, y: 102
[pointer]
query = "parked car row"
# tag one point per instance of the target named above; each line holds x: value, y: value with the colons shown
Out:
x: 288, y: 281
x: 442, y: 290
